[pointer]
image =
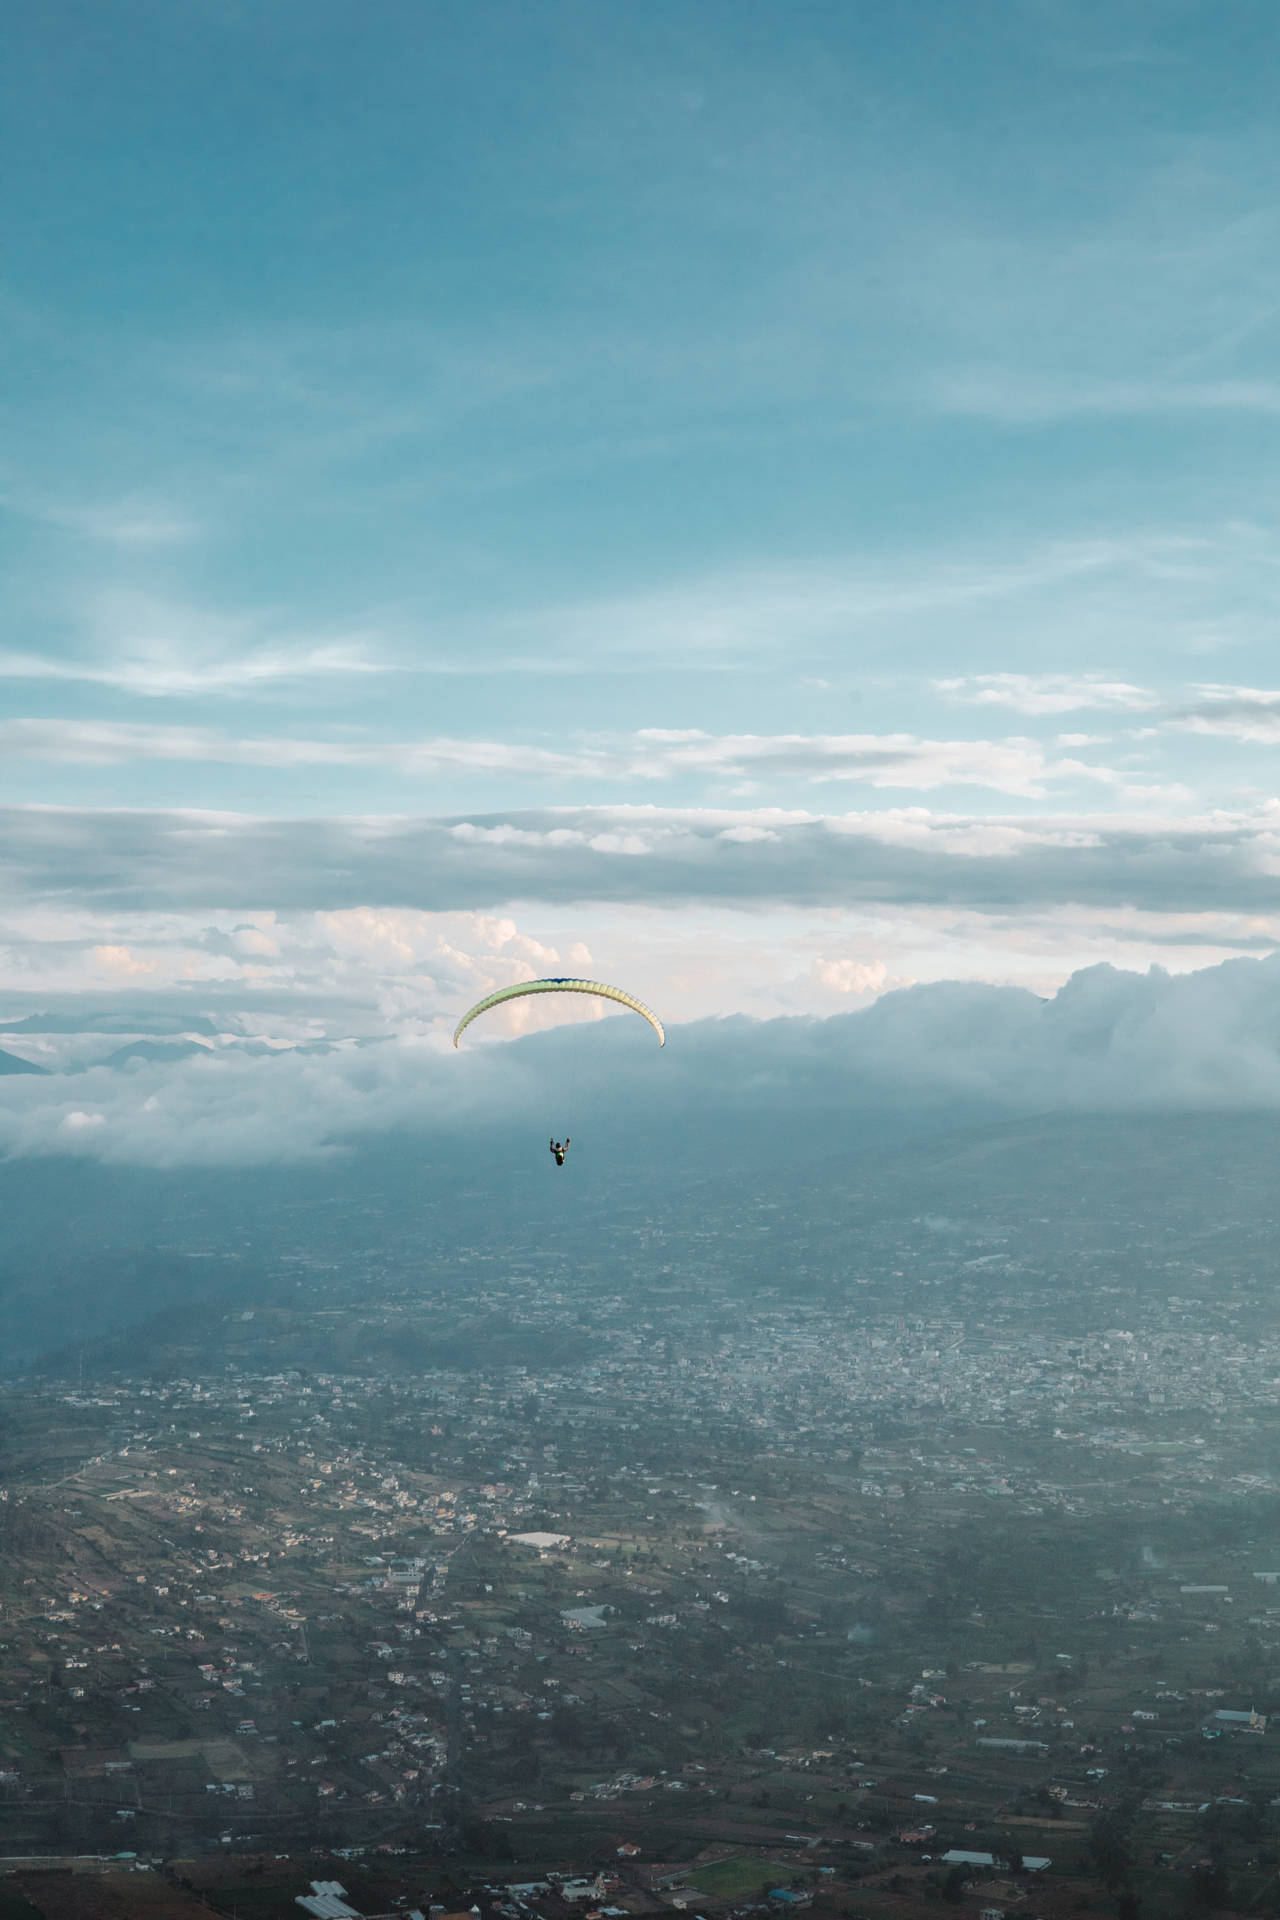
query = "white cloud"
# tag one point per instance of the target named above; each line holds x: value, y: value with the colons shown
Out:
x: 359, y: 975
x: 907, y: 856
x: 879, y: 760
x: 1042, y: 693
x: 1249, y: 714
x: 254, y: 940
x: 1021, y: 767
x: 153, y: 647
x: 156, y: 676
x: 853, y: 976
x: 1108, y: 1041
x: 120, y: 960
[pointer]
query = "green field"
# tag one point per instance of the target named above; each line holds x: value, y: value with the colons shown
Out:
x: 741, y: 1875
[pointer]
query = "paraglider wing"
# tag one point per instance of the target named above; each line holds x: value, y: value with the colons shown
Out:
x: 560, y: 986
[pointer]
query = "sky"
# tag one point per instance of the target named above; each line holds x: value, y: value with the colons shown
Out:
x: 768, y: 504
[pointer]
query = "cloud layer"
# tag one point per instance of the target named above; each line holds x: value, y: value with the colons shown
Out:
x: 1107, y: 1041
x: 1019, y: 767
x: 905, y: 857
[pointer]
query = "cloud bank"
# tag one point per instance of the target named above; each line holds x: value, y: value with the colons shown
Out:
x: 906, y: 857
x: 1108, y: 1041
x: 1012, y: 766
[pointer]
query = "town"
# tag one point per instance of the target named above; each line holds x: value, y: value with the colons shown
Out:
x: 719, y: 1596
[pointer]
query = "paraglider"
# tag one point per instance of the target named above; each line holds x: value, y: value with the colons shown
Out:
x: 559, y: 986
x: 597, y: 987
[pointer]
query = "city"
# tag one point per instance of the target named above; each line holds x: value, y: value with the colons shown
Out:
x: 741, y: 1589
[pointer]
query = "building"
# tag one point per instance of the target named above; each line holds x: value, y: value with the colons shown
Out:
x: 1250, y: 1722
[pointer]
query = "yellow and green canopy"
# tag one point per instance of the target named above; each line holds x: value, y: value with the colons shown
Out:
x: 560, y: 986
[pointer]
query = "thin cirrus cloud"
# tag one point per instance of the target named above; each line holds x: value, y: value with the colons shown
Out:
x: 159, y: 673
x: 767, y: 613
x: 1144, y: 585
x: 132, y: 524
x: 156, y: 646
x: 1016, y: 767
x: 1035, y: 400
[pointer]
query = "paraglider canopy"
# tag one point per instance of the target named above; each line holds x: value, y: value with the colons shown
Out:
x: 560, y: 986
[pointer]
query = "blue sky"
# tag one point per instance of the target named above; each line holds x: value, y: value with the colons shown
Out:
x: 781, y: 500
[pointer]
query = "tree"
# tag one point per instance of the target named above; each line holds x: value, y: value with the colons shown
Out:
x: 1109, y: 1845
x: 1210, y: 1888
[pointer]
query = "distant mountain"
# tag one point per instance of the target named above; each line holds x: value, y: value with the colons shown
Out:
x: 63, y: 1301
x: 168, y: 1052
x: 155, y: 1052
x: 10, y: 1063
x: 136, y: 1020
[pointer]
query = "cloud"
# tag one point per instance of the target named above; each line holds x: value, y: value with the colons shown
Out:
x: 129, y: 523
x: 120, y: 960
x: 77, y: 985
x: 154, y: 647
x: 1107, y: 1041
x: 853, y: 976
x: 1035, y: 399
x: 907, y: 857
x: 879, y: 760
x: 1250, y: 714
x: 1133, y: 591
x: 1013, y: 766
x: 156, y: 677
x: 1041, y: 693
x: 254, y: 940
x: 356, y: 975
x: 807, y: 616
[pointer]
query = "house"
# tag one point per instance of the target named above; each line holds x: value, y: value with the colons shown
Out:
x: 326, y: 1901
